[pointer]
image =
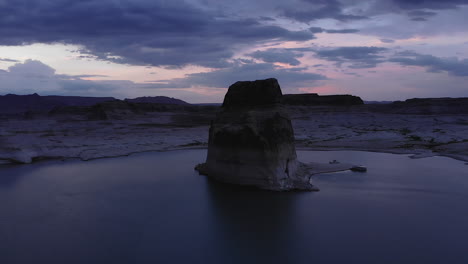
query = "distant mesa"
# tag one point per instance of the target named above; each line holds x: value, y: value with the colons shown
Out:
x: 313, y: 99
x: 430, y: 106
x: 34, y: 103
x: 157, y: 100
x: 11, y: 103
x: 251, y: 140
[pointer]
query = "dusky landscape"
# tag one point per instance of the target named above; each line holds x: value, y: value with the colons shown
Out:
x: 248, y: 132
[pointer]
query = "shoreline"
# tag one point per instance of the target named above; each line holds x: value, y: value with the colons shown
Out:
x: 412, y: 154
x: 29, y: 140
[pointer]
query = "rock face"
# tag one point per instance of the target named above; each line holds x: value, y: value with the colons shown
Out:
x: 251, y: 140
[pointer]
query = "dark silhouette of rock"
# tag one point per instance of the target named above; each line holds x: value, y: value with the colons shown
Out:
x: 12, y: 103
x: 253, y: 94
x: 78, y: 100
x: 121, y: 110
x: 423, y: 106
x: 430, y: 106
x: 313, y: 99
x: 251, y: 140
x: 157, y: 100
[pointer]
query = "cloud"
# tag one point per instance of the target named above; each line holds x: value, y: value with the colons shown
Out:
x: 421, y: 13
x: 319, y: 9
x: 387, y: 40
x: 419, y: 19
x: 429, y: 4
x: 453, y: 66
x: 88, y: 76
x: 333, y: 31
x: 158, y: 33
x: 357, y: 57
x: 32, y: 69
x: 33, y: 76
x: 8, y: 60
x: 316, y: 29
x: 412, y: 8
x: 286, y: 56
x: 398, y: 25
x: 241, y: 71
x: 342, y: 31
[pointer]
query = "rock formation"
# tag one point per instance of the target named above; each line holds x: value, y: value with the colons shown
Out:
x: 12, y: 103
x: 251, y: 140
x: 313, y: 99
x: 431, y: 106
x: 157, y: 100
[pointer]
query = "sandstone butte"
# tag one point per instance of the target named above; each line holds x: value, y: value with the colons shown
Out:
x: 251, y: 140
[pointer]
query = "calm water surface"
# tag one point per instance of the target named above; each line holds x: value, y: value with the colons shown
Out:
x: 154, y: 208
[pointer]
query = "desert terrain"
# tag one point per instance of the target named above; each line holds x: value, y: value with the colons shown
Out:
x: 118, y: 128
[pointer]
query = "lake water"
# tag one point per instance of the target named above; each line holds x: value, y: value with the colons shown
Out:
x: 154, y: 208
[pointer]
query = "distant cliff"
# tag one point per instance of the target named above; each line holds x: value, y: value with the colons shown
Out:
x: 123, y: 109
x: 431, y: 106
x: 312, y: 99
x: 157, y: 100
x: 12, y: 103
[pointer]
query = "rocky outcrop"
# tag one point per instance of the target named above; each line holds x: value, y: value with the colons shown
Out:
x: 251, y: 140
x: 313, y: 99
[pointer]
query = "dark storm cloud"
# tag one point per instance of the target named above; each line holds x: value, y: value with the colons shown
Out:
x: 416, y: 10
x: 319, y: 9
x: 453, y: 66
x: 222, y: 78
x: 429, y: 4
x: 333, y: 31
x: 277, y: 55
x: 158, y: 33
x: 316, y: 30
x: 264, y: 18
x: 357, y: 57
x: 421, y: 13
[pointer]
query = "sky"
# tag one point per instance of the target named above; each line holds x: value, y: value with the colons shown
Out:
x: 379, y: 50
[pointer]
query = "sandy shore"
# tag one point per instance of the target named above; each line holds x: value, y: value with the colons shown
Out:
x: 24, y: 141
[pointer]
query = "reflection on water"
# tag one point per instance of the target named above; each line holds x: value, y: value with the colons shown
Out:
x: 154, y: 208
x: 251, y: 224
